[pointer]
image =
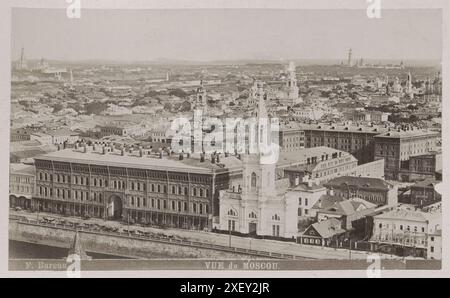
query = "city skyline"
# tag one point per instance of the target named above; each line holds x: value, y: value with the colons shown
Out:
x: 215, y: 35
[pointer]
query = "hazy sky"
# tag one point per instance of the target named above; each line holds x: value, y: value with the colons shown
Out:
x: 226, y: 34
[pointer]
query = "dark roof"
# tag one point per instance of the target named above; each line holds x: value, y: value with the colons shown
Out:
x: 327, y: 228
x: 430, y: 182
x: 360, y: 182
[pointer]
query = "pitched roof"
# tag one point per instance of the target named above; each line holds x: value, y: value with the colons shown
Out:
x: 360, y: 182
x: 328, y: 228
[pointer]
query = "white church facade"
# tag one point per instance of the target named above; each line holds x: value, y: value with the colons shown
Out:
x: 261, y: 206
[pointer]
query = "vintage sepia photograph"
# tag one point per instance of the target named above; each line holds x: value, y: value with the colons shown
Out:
x: 225, y: 139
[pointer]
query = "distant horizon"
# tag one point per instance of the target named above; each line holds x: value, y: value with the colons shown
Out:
x: 301, y: 61
x: 208, y: 35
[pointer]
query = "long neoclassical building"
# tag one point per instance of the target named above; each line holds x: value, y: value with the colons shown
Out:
x: 178, y: 190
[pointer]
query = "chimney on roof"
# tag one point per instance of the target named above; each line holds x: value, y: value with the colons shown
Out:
x: 213, y: 158
x: 141, y: 152
x: 226, y: 154
x: 84, y: 148
x: 217, y: 158
x: 188, y: 155
x: 122, y: 151
x: 76, y: 145
x: 181, y: 157
x: 59, y: 147
x: 310, y: 183
x: 331, y: 192
x: 160, y: 155
x: 103, y: 150
x: 319, y: 203
x: 202, y: 157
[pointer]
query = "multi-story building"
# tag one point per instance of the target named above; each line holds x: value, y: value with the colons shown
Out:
x: 307, y: 194
x: 291, y: 139
x: 321, y: 168
x: 397, y: 147
x: 21, y: 185
x: 180, y: 191
x: 374, y: 190
x: 121, y: 128
x: 434, y: 251
x: 422, y: 166
x: 357, y: 140
x: 423, y: 193
x: 20, y: 134
x: 404, y: 231
x: 61, y: 136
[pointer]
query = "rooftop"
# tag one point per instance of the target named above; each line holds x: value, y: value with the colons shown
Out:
x: 408, y: 214
x: 408, y: 133
x: 360, y: 182
x: 328, y: 228
x: 345, y: 128
x: 133, y: 160
x: 20, y: 168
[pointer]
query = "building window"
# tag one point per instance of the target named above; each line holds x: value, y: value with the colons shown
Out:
x: 231, y: 212
x: 253, y: 182
x: 276, y: 230
x: 231, y: 225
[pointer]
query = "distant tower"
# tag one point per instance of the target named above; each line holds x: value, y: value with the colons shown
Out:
x: 255, y: 92
x: 409, y: 87
x: 201, y: 98
x: 349, y: 61
x: 71, y: 77
x: 167, y: 76
x: 22, y: 62
x: 292, y: 88
x: 437, y: 84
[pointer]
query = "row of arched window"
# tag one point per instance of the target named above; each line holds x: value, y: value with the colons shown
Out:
x: 178, y: 206
x: 66, y: 194
x: 252, y: 215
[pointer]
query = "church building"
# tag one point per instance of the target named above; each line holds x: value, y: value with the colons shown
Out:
x: 261, y: 206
